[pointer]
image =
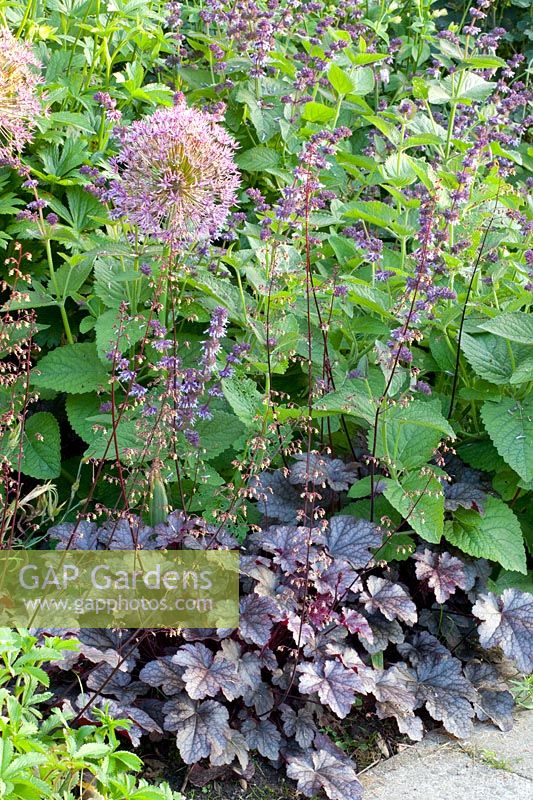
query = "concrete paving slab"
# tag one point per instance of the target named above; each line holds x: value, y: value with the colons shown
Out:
x: 489, y: 766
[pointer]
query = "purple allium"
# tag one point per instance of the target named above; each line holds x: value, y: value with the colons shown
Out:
x: 176, y: 176
x: 19, y: 104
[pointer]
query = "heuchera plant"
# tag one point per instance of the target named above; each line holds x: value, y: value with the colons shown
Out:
x: 324, y: 620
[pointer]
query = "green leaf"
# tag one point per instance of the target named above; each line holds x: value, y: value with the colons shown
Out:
x: 80, y: 407
x: 399, y: 547
x: 41, y: 450
x: 107, y: 338
x: 485, y: 62
x: 495, y: 535
x: 516, y: 326
x: 481, y: 454
x: 363, y: 81
x: 317, y: 112
x: 509, y: 424
x: 340, y: 80
x: 346, y: 400
x: 219, y: 433
x: 523, y: 372
x: 74, y: 368
x: 409, y: 435
x: 70, y: 277
x: 258, y: 159
x: 420, y: 500
x: 243, y: 397
x: 488, y: 356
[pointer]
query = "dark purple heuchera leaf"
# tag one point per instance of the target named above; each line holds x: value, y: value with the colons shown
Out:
x: 172, y: 530
x: 357, y: 623
x: 257, y: 615
x: 124, y: 534
x: 300, y: 724
x: 442, y: 572
x: 390, y: 599
x: 199, y: 727
x: 107, y: 680
x: 263, y: 736
x: 466, y: 495
x: 422, y: 646
x: 335, y: 685
x: 321, y: 470
x: 508, y: 623
x: 289, y: 544
x: 112, y: 647
x: 325, y: 768
x: 384, y: 631
x: 276, y: 498
x: 395, y: 693
x: 164, y: 672
x: 85, y: 538
x: 205, y: 674
x: 494, y: 701
x: 350, y: 539
x: 442, y: 687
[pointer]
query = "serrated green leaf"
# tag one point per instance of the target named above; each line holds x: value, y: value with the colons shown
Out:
x: 488, y: 356
x: 41, y: 449
x: 80, y: 408
x: 258, y: 159
x: 420, y: 500
x: 74, y: 368
x: 517, y: 326
x: 107, y: 327
x: 495, y: 535
x: 219, y: 433
x: 409, y: 435
x: 244, y: 398
x: 509, y: 424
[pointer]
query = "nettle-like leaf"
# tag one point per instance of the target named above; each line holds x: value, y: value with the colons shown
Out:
x: 326, y: 768
x: 163, y: 672
x: 509, y: 424
x: 442, y: 572
x: 495, y: 535
x: 508, y: 623
x: 494, y: 701
x: 263, y: 736
x: 199, y: 726
x: 335, y: 685
x: 352, y: 539
x: 276, y: 498
x: 205, y: 674
x: 321, y: 470
x: 443, y: 689
x: 465, y: 495
x: 257, y: 615
x: 390, y: 599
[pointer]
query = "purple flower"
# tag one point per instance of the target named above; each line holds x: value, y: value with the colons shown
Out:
x: 176, y: 176
x: 19, y: 104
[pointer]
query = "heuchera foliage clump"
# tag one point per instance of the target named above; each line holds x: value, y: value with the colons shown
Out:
x: 317, y: 606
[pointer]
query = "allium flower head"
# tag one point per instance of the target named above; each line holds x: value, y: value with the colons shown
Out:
x: 176, y: 176
x: 19, y: 104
